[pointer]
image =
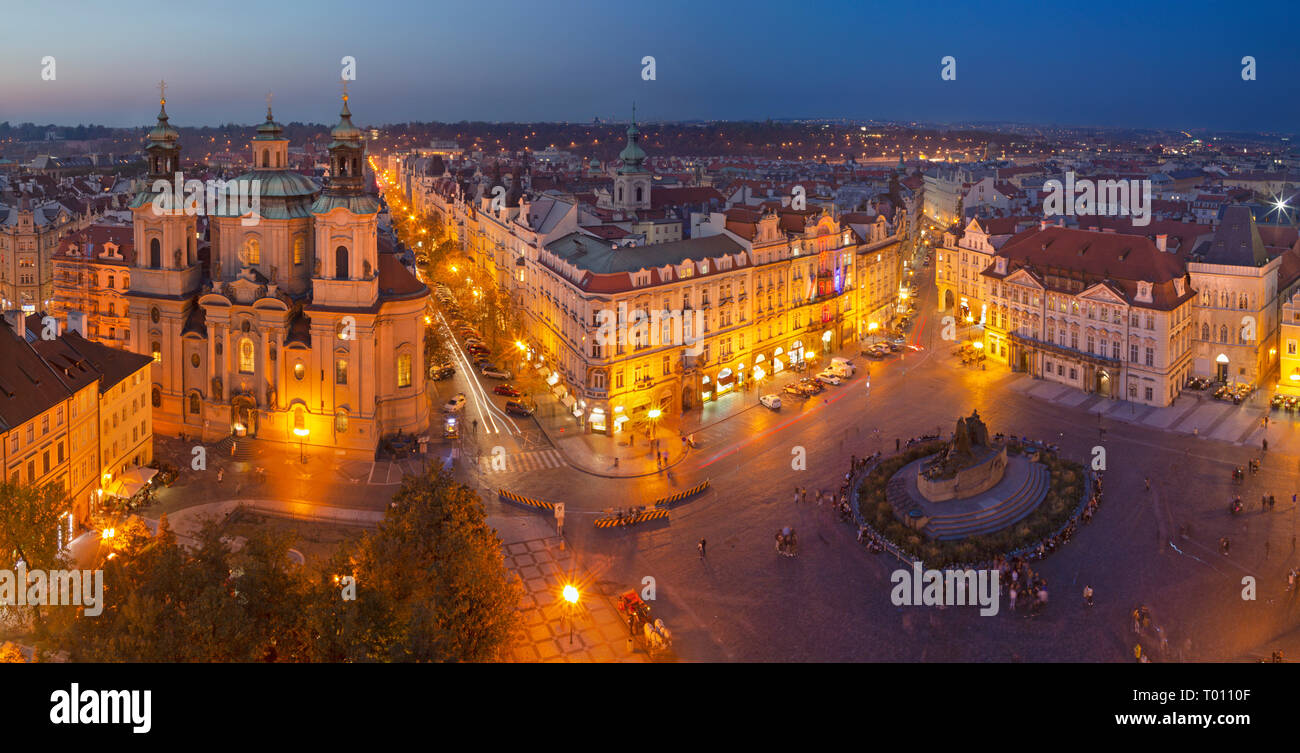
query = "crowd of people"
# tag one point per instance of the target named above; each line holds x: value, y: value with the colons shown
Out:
x: 1021, y: 586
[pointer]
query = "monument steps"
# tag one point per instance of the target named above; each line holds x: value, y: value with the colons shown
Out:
x: 996, y: 517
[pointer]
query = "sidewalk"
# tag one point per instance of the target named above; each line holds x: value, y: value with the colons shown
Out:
x: 553, y: 631
x: 596, y: 454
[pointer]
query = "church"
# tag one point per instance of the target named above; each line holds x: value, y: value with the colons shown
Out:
x: 299, y: 329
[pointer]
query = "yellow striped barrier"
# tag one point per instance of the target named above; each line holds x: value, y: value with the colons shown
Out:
x: 631, y: 520
x: 520, y: 499
x: 679, y: 496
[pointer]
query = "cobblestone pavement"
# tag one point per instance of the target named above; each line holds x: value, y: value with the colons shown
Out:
x: 553, y: 631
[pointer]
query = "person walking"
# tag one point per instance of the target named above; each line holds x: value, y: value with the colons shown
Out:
x: 1147, y: 481
x: 1087, y: 595
x: 803, y: 493
x: 701, y: 547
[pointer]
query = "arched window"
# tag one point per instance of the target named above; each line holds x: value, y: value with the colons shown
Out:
x: 638, y: 194
x: 1205, y: 331
x: 194, y: 403
x: 252, y: 252
x: 620, y: 193
x: 1223, y: 333
x: 157, y: 397
x: 277, y: 159
x: 246, y: 359
x: 266, y: 158
x: 1241, y: 301
x: 340, y: 422
x: 298, y: 245
x: 341, y: 263
x: 155, y: 254
x: 156, y: 348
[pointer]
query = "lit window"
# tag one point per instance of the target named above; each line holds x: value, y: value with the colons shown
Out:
x: 298, y: 244
x: 299, y: 371
x: 404, y: 370
x: 341, y: 371
x: 156, y: 347
x: 246, y: 359
x: 340, y: 422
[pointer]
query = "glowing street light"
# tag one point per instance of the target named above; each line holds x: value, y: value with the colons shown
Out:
x: 301, y: 433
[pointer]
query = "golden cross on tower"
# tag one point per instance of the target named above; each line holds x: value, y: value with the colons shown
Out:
x: 162, y: 92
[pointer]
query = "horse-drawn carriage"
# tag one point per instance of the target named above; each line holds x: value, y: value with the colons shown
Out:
x: 640, y: 620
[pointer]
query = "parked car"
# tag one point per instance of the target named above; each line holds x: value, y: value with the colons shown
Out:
x: 478, y: 351
x: 828, y: 377
x: 438, y: 373
x: 793, y: 389
x: 506, y: 389
x: 811, y: 386
x: 493, y: 372
x: 770, y: 401
x: 517, y: 408
x: 455, y: 405
x: 451, y: 428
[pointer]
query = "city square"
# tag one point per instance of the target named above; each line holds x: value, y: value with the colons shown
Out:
x: 495, y: 354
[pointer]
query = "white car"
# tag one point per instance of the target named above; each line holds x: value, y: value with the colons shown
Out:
x: 827, y: 377
x: 770, y: 401
x: 454, y: 405
x: 495, y: 373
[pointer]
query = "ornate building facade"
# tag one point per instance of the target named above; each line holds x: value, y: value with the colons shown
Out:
x: 303, y: 331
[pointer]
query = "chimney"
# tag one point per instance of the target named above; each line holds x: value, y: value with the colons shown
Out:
x: 77, y: 322
x: 1162, y: 242
x: 17, y: 321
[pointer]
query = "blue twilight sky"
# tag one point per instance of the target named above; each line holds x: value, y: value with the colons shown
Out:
x: 1101, y: 62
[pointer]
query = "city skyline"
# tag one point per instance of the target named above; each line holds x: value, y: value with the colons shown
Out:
x: 1149, y: 73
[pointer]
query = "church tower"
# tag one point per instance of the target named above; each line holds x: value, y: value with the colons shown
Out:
x: 165, y: 275
x: 632, y: 183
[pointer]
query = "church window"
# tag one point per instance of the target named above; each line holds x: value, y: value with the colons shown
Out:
x: 404, y: 370
x: 341, y: 371
x: 194, y: 402
x: 155, y: 254
x: 341, y: 422
x: 297, y: 250
x: 156, y: 347
x: 252, y: 251
x: 299, y: 371
x: 246, y: 360
x: 341, y: 263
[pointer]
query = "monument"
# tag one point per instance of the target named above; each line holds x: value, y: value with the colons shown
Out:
x: 969, y: 487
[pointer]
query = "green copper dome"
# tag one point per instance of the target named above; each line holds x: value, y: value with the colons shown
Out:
x: 632, y: 154
x: 163, y: 132
x: 345, y: 130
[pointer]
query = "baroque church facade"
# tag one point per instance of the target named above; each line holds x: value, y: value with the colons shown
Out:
x: 301, y: 330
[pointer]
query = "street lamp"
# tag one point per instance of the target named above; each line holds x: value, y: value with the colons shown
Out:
x: 302, y: 436
x: 571, y: 596
x: 653, y: 415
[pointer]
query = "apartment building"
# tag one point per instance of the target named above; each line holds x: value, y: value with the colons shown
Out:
x: 91, y: 275
x: 1102, y: 312
x: 54, y: 393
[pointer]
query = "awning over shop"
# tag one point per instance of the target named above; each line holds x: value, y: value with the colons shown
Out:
x: 130, y: 483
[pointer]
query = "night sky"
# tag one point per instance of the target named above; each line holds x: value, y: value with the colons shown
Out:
x: 1174, y: 65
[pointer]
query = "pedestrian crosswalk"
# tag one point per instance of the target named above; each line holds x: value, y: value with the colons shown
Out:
x: 517, y: 462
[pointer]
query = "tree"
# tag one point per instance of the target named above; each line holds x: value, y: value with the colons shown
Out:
x: 29, y: 529
x: 430, y: 585
x: 438, y: 569
x: 29, y: 524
